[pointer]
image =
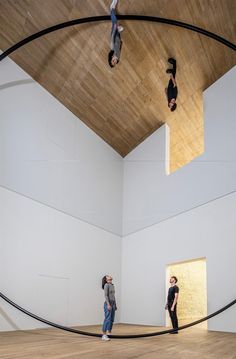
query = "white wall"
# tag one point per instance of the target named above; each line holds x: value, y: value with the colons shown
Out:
x: 48, y: 154
x: 151, y: 196
x: 207, y: 231
x: 52, y: 264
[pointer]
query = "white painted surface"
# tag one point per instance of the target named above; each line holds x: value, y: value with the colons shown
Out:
x: 48, y: 154
x: 52, y: 264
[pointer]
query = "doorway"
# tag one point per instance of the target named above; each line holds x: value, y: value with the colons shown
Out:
x: 192, y: 283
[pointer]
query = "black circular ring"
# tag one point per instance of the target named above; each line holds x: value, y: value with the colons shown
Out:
x: 120, y: 17
x: 106, y: 18
x: 130, y: 336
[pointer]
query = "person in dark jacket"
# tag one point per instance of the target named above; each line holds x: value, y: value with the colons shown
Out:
x: 115, y: 42
x: 172, y: 89
x: 109, y: 306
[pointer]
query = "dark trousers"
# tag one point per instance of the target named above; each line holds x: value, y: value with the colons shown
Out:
x: 174, y: 68
x: 173, y: 316
x: 173, y: 71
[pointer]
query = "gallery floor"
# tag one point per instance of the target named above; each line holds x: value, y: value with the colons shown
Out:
x: 54, y: 344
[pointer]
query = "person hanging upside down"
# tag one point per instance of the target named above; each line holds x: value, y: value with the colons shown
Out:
x: 116, y: 43
x: 172, y: 89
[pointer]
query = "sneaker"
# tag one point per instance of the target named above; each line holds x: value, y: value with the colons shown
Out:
x: 120, y: 28
x: 105, y: 337
x: 113, y: 4
x: 171, y: 60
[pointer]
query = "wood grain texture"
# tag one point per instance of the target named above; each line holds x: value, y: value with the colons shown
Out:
x: 54, y: 344
x: 126, y: 104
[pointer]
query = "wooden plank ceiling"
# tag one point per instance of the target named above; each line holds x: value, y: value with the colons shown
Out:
x: 126, y: 104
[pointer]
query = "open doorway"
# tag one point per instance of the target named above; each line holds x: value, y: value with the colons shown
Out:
x: 192, y: 303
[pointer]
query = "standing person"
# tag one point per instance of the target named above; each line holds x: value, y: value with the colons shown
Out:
x: 172, y: 89
x: 109, y: 306
x: 116, y: 43
x: 171, y: 304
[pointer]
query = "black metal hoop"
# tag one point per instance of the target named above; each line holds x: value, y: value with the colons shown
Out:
x: 120, y: 17
x: 107, y: 18
x: 131, y: 336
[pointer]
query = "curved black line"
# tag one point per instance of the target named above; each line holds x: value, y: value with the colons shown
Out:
x: 107, y: 18
x: 120, y: 17
x: 131, y: 336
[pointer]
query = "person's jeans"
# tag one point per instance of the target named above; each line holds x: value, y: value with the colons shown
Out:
x: 173, y: 316
x: 113, y: 17
x: 109, y: 318
x: 113, y: 20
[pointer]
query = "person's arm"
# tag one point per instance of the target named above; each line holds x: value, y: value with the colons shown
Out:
x: 106, y: 293
x: 166, y: 306
x: 113, y: 33
x: 166, y: 93
x: 175, y: 302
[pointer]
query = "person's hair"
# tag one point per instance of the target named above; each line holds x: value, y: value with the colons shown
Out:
x: 110, y: 55
x: 173, y: 107
x: 176, y: 280
x: 104, y: 280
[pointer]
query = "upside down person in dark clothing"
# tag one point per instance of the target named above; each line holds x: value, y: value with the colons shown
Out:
x: 172, y: 89
x: 116, y: 43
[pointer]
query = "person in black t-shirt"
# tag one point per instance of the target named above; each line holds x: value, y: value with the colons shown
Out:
x: 171, y: 304
x: 172, y: 89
